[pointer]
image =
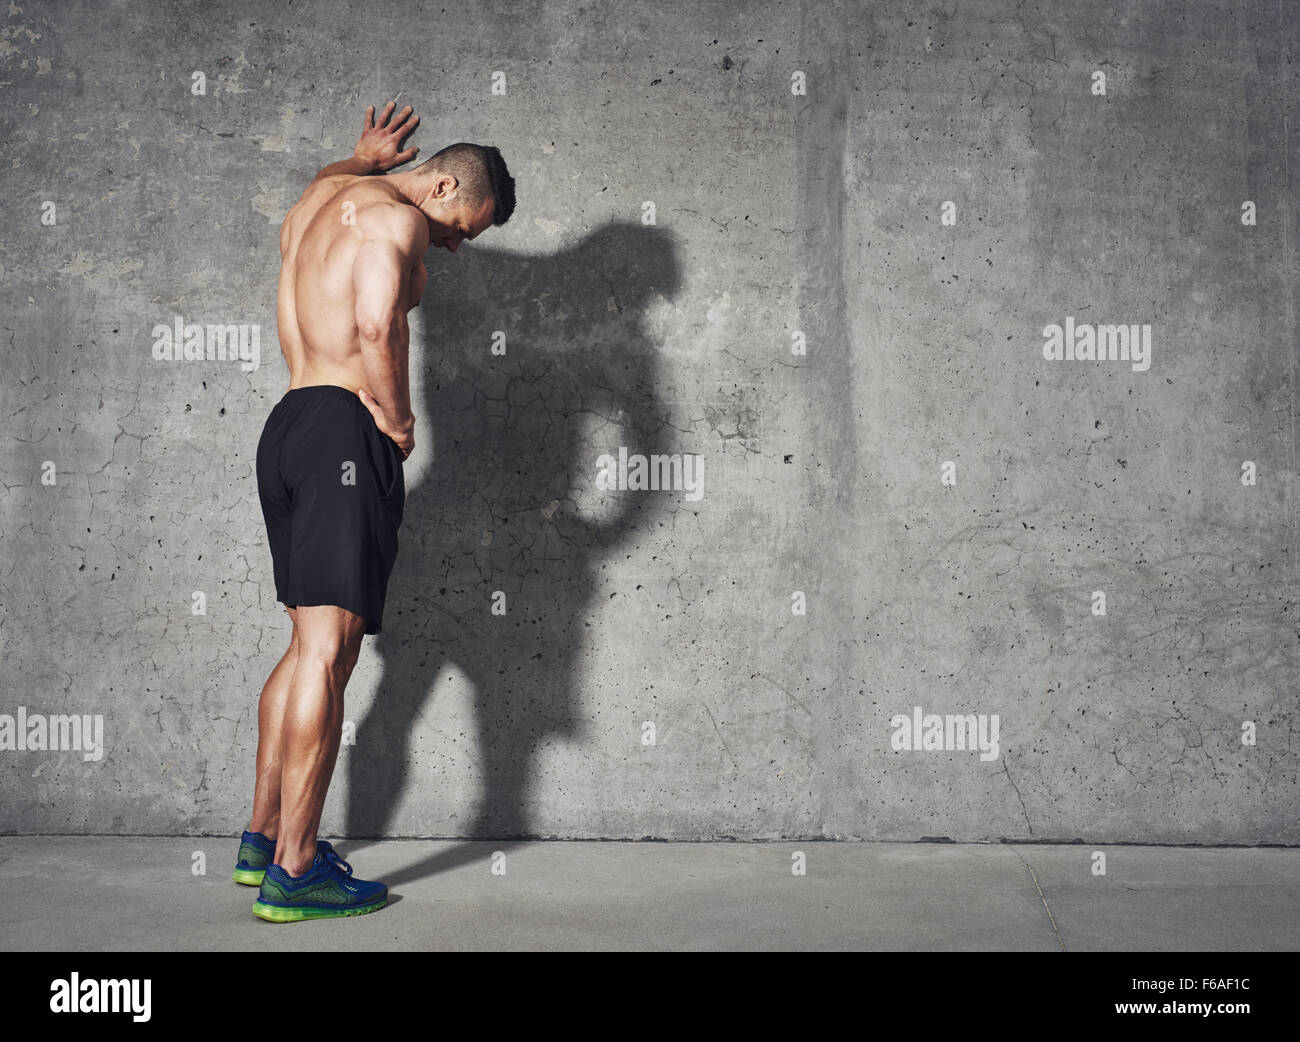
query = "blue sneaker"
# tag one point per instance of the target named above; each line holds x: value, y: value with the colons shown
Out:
x: 325, y: 891
x: 255, y: 853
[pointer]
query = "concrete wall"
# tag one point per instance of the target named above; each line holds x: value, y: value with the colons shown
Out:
x: 940, y: 499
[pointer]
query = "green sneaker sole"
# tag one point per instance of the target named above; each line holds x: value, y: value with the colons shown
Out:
x: 281, y: 914
x: 249, y: 876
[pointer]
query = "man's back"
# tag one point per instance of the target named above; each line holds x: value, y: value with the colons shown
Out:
x: 319, y: 283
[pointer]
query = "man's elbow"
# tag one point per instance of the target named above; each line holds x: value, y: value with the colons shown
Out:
x: 380, y: 330
x: 371, y: 331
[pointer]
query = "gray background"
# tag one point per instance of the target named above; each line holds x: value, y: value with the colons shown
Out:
x: 774, y: 213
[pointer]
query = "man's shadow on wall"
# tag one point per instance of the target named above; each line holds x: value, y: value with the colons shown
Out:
x: 495, y: 510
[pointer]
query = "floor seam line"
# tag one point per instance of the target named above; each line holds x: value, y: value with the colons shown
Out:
x: 1042, y: 897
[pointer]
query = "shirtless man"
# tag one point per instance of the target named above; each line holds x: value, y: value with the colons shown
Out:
x: 329, y: 473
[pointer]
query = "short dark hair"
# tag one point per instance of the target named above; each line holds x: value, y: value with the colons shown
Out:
x: 479, y: 171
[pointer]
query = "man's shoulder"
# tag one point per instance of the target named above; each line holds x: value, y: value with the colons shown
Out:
x: 384, y: 215
x: 390, y: 217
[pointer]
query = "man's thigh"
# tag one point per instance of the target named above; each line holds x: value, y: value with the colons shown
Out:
x: 328, y: 629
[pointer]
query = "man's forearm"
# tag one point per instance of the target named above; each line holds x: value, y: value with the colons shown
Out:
x: 385, y: 360
x: 352, y: 165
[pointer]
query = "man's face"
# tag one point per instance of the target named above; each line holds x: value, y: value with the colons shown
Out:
x: 458, y: 223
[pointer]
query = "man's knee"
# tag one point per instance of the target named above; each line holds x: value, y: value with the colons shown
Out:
x: 335, y: 653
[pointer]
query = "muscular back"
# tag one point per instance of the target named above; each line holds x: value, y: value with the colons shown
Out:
x: 325, y: 295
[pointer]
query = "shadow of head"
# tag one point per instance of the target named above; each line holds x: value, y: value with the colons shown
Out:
x: 576, y: 299
x: 532, y: 368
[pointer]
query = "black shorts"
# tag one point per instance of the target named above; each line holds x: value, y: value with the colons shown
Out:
x: 332, y: 493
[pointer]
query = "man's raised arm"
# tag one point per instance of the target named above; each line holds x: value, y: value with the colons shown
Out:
x: 377, y: 150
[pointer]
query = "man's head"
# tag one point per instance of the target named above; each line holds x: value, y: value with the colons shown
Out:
x: 463, y: 190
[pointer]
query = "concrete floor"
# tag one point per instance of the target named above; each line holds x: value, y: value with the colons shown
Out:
x: 130, y: 893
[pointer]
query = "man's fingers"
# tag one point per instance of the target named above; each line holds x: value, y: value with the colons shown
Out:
x: 397, y: 124
x: 376, y: 410
x: 369, y: 122
x: 405, y: 157
x: 411, y: 123
x: 368, y: 400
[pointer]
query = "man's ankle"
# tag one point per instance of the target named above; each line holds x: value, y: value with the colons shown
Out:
x: 270, y: 831
x: 297, y: 862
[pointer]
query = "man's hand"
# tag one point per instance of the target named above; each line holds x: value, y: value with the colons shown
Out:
x: 379, y: 144
x: 403, y: 437
x: 377, y: 149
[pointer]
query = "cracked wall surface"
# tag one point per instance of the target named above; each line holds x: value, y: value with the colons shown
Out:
x: 919, y: 510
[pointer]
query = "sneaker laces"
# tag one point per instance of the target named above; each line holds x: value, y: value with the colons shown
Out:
x: 332, y: 858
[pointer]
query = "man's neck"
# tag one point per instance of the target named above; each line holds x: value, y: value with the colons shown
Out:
x: 402, y: 182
